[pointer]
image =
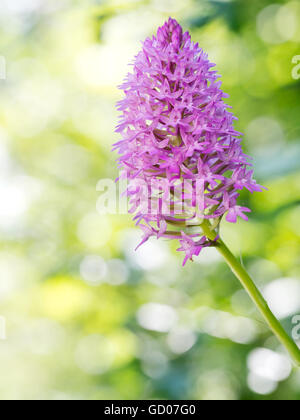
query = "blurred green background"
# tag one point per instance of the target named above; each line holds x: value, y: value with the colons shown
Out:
x: 85, y: 317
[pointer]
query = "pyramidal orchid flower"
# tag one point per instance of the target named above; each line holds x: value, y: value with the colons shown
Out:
x: 182, y: 156
x: 178, y: 134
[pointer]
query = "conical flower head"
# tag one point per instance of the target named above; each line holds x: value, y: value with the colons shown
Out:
x: 179, y: 149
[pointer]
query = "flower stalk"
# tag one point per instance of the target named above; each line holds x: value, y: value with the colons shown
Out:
x: 256, y: 296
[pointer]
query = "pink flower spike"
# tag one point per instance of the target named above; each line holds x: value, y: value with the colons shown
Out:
x: 175, y: 127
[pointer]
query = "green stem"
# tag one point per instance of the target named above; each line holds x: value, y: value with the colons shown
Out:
x: 255, y: 294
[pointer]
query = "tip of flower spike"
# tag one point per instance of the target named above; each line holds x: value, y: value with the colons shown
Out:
x: 170, y: 33
x: 172, y: 23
